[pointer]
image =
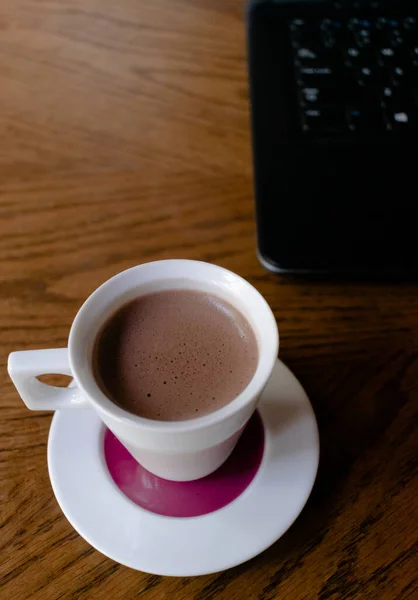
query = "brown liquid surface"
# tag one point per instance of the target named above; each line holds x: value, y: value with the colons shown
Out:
x: 175, y: 355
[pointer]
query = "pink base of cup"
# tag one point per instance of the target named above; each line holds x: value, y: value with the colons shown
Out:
x: 190, y: 498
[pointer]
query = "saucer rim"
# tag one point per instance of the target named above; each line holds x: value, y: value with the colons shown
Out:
x: 266, y: 477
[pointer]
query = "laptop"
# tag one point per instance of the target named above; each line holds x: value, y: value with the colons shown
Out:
x: 334, y: 102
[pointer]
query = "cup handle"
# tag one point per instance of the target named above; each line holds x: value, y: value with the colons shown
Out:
x: 25, y: 366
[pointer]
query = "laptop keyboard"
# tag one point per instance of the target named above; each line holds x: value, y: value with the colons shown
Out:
x: 356, y: 75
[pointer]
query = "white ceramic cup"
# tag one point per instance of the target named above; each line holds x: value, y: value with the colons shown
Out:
x: 180, y: 450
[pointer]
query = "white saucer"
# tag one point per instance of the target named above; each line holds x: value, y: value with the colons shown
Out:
x: 188, y: 546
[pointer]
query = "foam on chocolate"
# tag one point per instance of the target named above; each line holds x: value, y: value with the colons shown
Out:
x: 175, y: 355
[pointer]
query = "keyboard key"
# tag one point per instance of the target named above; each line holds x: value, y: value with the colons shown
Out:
x: 397, y: 75
x: 307, y: 55
x: 359, y: 57
x: 363, y: 38
x: 415, y: 94
x: 312, y: 57
x: 331, y: 32
x: 319, y: 74
x: 360, y: 95
x: 393, y: 77
x: 401, y: 120
x: 397, y: 96
x: 306, y: 36
x: 296, y: 24
x: 324, y: 120
x: 410, y: 32
x: 389, y: 32
x: 365, y: 121
x: 361, y: 32
x: 410, y: 23
x: 317, y: 95
x: 409, y: 29
x: 365, y: 76
x: 389, y: 56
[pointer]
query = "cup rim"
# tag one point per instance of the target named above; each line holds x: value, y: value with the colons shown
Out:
x: 115, y: 412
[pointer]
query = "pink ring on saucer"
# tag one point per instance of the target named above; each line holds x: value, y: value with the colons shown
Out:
x: 189, y: 498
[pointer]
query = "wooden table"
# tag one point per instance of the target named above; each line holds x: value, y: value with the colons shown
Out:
x: 125, y: 138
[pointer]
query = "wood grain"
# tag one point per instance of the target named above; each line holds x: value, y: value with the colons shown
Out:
x: 125, y: 138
